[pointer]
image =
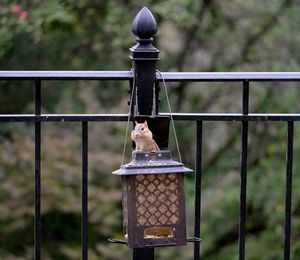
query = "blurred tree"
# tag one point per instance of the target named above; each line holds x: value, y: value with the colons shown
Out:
x: 193, y: 36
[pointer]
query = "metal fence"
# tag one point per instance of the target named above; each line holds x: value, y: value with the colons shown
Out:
x: 143, y: 66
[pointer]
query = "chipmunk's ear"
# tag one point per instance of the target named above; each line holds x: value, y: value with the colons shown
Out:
x: 146, y: 124
x: 135, y: 122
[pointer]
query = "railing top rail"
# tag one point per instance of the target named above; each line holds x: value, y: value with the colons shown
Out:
x: 67, y: 75
x: 168, y: 76
x: 229, y: 76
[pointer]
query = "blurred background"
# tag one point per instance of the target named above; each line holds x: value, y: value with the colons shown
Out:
x: 207, y: 35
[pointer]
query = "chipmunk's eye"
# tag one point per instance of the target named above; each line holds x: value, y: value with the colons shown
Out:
x: 142, y: 129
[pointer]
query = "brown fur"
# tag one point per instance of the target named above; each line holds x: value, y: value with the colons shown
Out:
x: 143, y: 138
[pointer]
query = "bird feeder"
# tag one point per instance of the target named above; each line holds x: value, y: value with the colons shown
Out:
x: 153, y: 200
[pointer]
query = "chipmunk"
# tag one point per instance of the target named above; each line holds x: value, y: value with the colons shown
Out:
x: 143, y: 138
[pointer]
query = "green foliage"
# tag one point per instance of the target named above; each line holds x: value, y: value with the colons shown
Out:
x: 193, y: 36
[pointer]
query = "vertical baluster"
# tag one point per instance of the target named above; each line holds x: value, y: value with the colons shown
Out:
x: 288, y: 189
x: 37, y: 177
x: 243, y: 177
x: 198, y: 173
x: 84, y: 192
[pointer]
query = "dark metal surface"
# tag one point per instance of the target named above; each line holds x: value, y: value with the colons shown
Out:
x: 143, y: 254
x: 84, y: 192
x: 37, y: 177
x: 144, y: 56
x: 124, y: 117
x: 288, y: 189
x: 243, y: 178
x: 117, y: 241
x: 66, y: 75
x: 168, y: 76
x: 198, y: 175
x: 63, y: 118
x: 193, y: 240
x: 245, y: 103
x: 123, y: 242
x: 144, y: 25
x: 229, y: 76
x: 151, y: 163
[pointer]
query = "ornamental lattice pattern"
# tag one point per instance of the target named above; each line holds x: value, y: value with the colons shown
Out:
x: 157, y: 199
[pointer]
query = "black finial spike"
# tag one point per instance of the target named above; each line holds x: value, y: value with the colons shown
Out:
x: 144, y: 25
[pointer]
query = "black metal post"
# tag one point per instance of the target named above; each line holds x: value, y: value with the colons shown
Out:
x: 243, y: 175
x: 288, y: 189
x: 84, y: 192
x: 198, y: 180
x: 37, y: 189
x: 145, y: 101
x: 144, y: 57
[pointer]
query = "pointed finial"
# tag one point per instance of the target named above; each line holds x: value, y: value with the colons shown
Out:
x: 144, y: 25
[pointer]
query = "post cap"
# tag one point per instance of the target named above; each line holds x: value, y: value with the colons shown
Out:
x: 144, y: 25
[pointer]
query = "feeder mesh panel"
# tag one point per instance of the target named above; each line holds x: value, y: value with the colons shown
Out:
x: 156, y: 199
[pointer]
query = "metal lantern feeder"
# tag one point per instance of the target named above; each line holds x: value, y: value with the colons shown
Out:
x: 153, y: 200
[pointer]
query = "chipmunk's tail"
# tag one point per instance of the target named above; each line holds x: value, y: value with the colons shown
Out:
x: 156, y: 146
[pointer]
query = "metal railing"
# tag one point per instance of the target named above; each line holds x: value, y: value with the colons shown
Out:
x: 244, y: 117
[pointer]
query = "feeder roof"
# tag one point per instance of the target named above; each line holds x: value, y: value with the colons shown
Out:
x: 151, y: 163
